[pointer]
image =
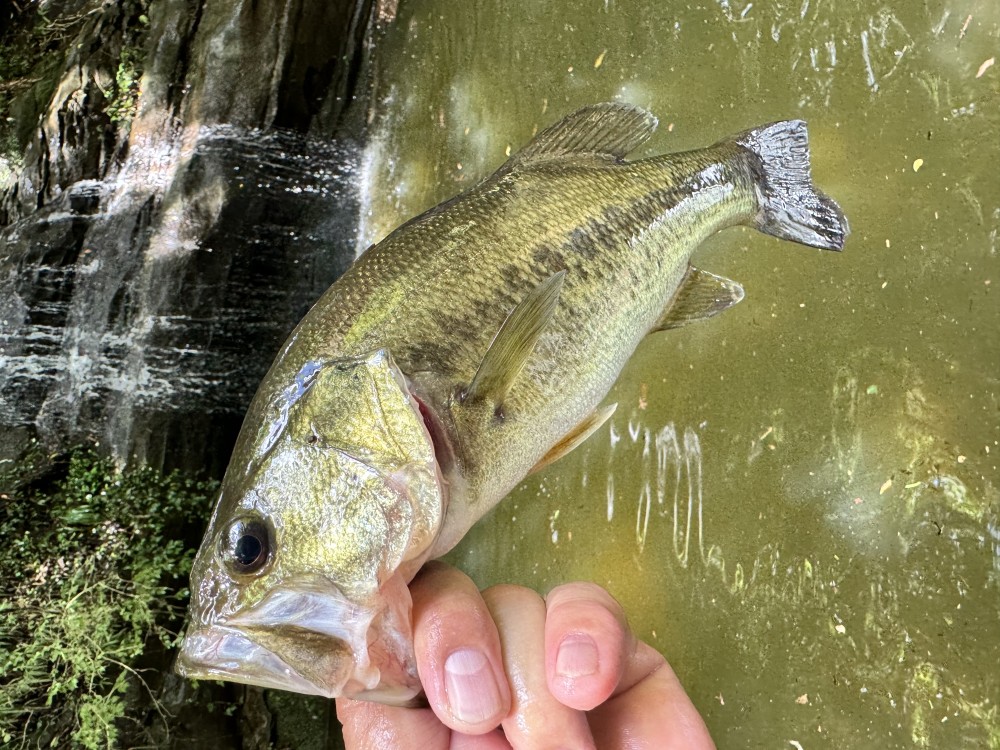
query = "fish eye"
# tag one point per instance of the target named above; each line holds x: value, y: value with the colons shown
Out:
x: 246, y: 545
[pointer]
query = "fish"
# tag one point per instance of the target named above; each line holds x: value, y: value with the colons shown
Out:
x: 472, y: 346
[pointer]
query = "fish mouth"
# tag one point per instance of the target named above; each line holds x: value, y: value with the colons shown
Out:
x: 223, y: 653
x: 307, y: 638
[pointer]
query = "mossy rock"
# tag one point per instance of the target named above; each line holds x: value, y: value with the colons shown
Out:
x: 93, y: 581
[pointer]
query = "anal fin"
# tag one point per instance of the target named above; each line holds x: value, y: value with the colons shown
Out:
x: 700, y: 295
x: 575, y: 437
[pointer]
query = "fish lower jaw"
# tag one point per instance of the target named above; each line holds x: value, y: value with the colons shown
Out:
x: 221, y: 653
x: 225, y: 653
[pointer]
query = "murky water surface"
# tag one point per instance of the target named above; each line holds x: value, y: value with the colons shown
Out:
x: 798, y: 501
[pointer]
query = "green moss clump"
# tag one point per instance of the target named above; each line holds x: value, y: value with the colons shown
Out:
x: 123, y: 95
x: 92, y: 576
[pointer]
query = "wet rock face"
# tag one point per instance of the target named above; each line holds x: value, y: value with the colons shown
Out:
x: 157, y: 250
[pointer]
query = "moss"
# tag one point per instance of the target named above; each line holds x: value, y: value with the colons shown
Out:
x: 33, y: 53
x: 123, y: 96
x: 93, y: 576
x: 32, y: 49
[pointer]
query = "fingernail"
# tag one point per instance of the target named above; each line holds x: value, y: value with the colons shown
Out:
x: 471, y: 687
x: 577, y: 656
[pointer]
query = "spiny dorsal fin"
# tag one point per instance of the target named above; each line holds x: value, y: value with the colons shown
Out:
x: 607, y: 131
x: 701, y: 295
x: 515, y: 341
x: 575, y: 437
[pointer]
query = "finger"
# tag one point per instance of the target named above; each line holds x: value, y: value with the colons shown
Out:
x: 494, y: 740
x: 372, y: 726
x: 649, y: 709
x: 537, y: 720
x: 458, y: 651
x: 587, y: 644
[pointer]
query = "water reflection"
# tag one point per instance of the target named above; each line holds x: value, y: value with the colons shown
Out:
x: 674, y: 479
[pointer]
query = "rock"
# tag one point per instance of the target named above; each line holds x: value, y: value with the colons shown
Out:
x: 185, y: 196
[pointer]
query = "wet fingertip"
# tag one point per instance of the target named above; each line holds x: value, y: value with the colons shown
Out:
x: 471, y: 688
x: 583, y: 673
x: 587, y: 642
x: 577, y: 656
x: 470, y: 697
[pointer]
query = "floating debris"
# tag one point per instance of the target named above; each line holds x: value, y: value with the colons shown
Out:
x: 872, y: 390
x: 987, y: 64
x: 965, y: 27
x: 840, y: 628
x: 885, y: 486
x: 803, y: 699
x: 600, y: 59
x: 917, y: 164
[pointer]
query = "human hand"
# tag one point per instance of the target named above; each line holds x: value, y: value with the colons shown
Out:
x: 506, y: 669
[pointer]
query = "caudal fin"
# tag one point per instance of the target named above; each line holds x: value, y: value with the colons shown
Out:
x: 790, y: 205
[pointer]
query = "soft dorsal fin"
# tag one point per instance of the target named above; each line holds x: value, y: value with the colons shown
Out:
x: 515, y: 341
x: 575, y: 437
x: 606, y: 131
x: 700, y: 295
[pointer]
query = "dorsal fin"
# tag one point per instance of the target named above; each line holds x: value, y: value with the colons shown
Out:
x: 605, y: 131
x: 700, y: 295
x: 575, y: 437
x: 515, y: 341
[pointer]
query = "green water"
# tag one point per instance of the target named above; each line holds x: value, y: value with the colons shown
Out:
x: 798, y: 501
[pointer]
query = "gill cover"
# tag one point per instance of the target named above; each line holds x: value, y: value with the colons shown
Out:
x: 323, y: 518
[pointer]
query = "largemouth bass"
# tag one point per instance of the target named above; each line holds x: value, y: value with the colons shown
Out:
x: 471, y: 346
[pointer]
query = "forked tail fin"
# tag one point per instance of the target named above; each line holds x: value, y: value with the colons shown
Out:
x: 790, y: 205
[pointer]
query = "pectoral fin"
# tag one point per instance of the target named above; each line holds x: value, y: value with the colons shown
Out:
x: 575, y: 437
x: 701, y: 295
x: 515, y: 341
